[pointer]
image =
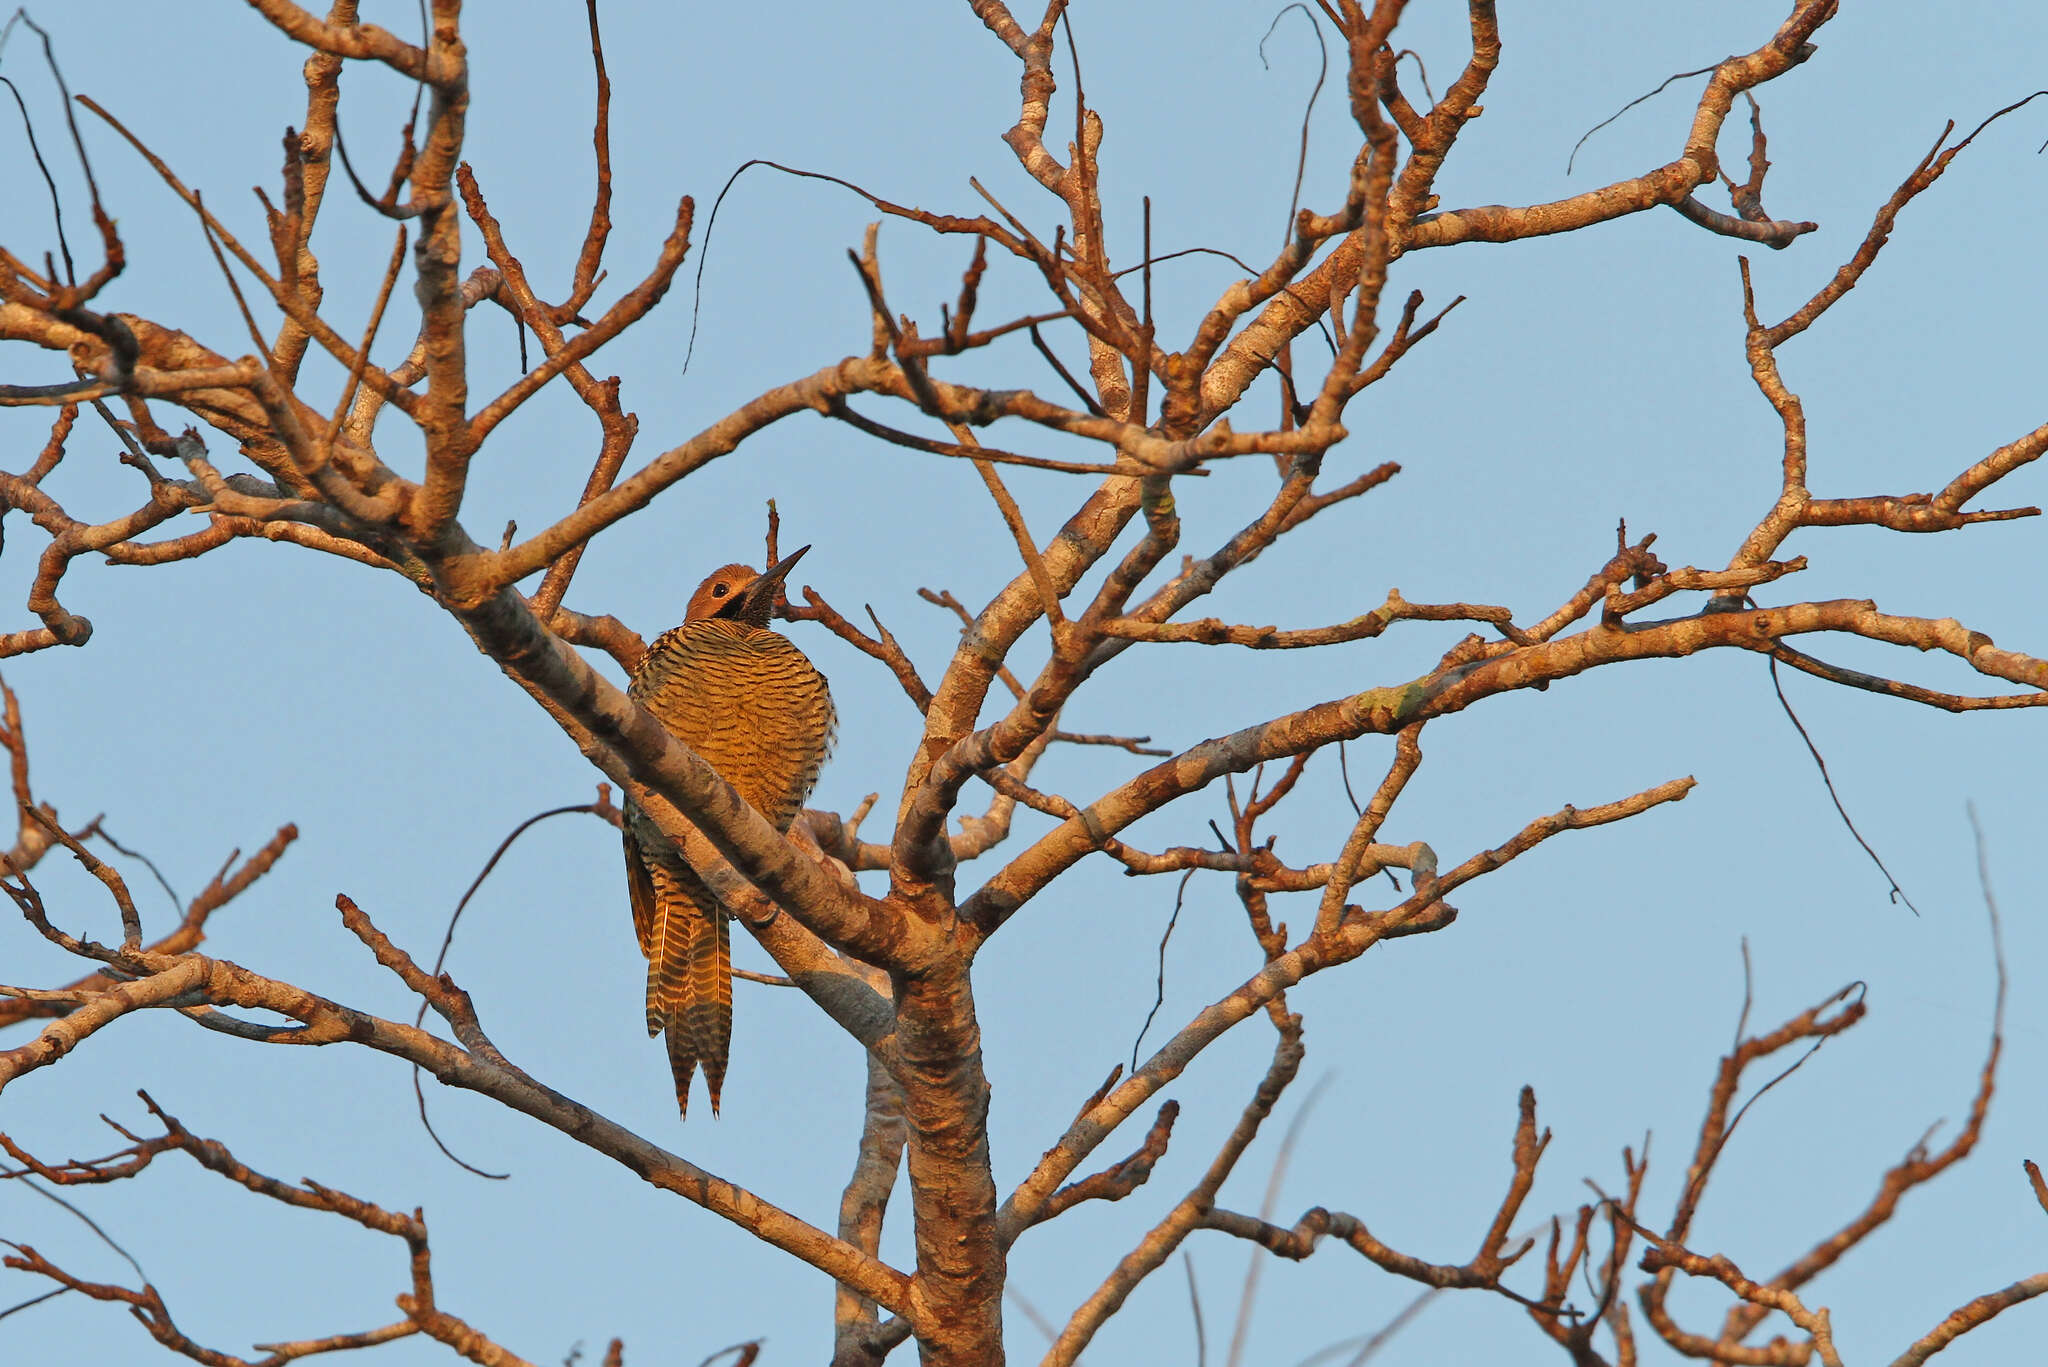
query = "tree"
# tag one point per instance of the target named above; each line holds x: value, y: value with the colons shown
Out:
x: 1201, y: 432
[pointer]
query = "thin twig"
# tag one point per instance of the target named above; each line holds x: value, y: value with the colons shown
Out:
x: 602, y: 807
x: 1898, y: 894
x: 1159, y: 994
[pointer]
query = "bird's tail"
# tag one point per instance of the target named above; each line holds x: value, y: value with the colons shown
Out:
x: 689, y: 979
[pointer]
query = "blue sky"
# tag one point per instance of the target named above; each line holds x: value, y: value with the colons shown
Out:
x: 1586, y: 379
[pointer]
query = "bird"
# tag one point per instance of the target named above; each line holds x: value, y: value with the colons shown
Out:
x: 750, y: 704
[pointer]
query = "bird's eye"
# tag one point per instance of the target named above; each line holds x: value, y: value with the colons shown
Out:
x: 718, y: 590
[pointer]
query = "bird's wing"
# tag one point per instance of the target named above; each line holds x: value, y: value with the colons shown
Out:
x: 640, y: 888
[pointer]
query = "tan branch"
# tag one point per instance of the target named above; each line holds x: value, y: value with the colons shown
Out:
x: 1190, y: 1213
x: 1970, y: 1315
x: 1662, y: 1254
x: 363, y: 42
x: 1422, y: 911
x: 182, y: 979
x: 1211, y: 631
x: 1462, y: 683
x: 865, y: 1201
x: 223, y: 888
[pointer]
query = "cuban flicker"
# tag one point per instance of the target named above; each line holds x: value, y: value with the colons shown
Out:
x: 750, y: 704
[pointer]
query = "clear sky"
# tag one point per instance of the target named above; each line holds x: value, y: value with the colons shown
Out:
x: 1586, y: 379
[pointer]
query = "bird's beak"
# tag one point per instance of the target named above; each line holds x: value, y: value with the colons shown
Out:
x: 760, y: 595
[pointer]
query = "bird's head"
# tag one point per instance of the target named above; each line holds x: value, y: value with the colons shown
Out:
x: 738, y: 594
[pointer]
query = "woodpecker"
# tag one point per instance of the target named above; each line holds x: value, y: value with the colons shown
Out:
x: 749, y: 703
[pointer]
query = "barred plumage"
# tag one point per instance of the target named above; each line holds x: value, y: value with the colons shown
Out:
x: 758, y: 712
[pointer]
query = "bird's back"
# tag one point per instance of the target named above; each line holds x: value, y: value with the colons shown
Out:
x: 748, y: 702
